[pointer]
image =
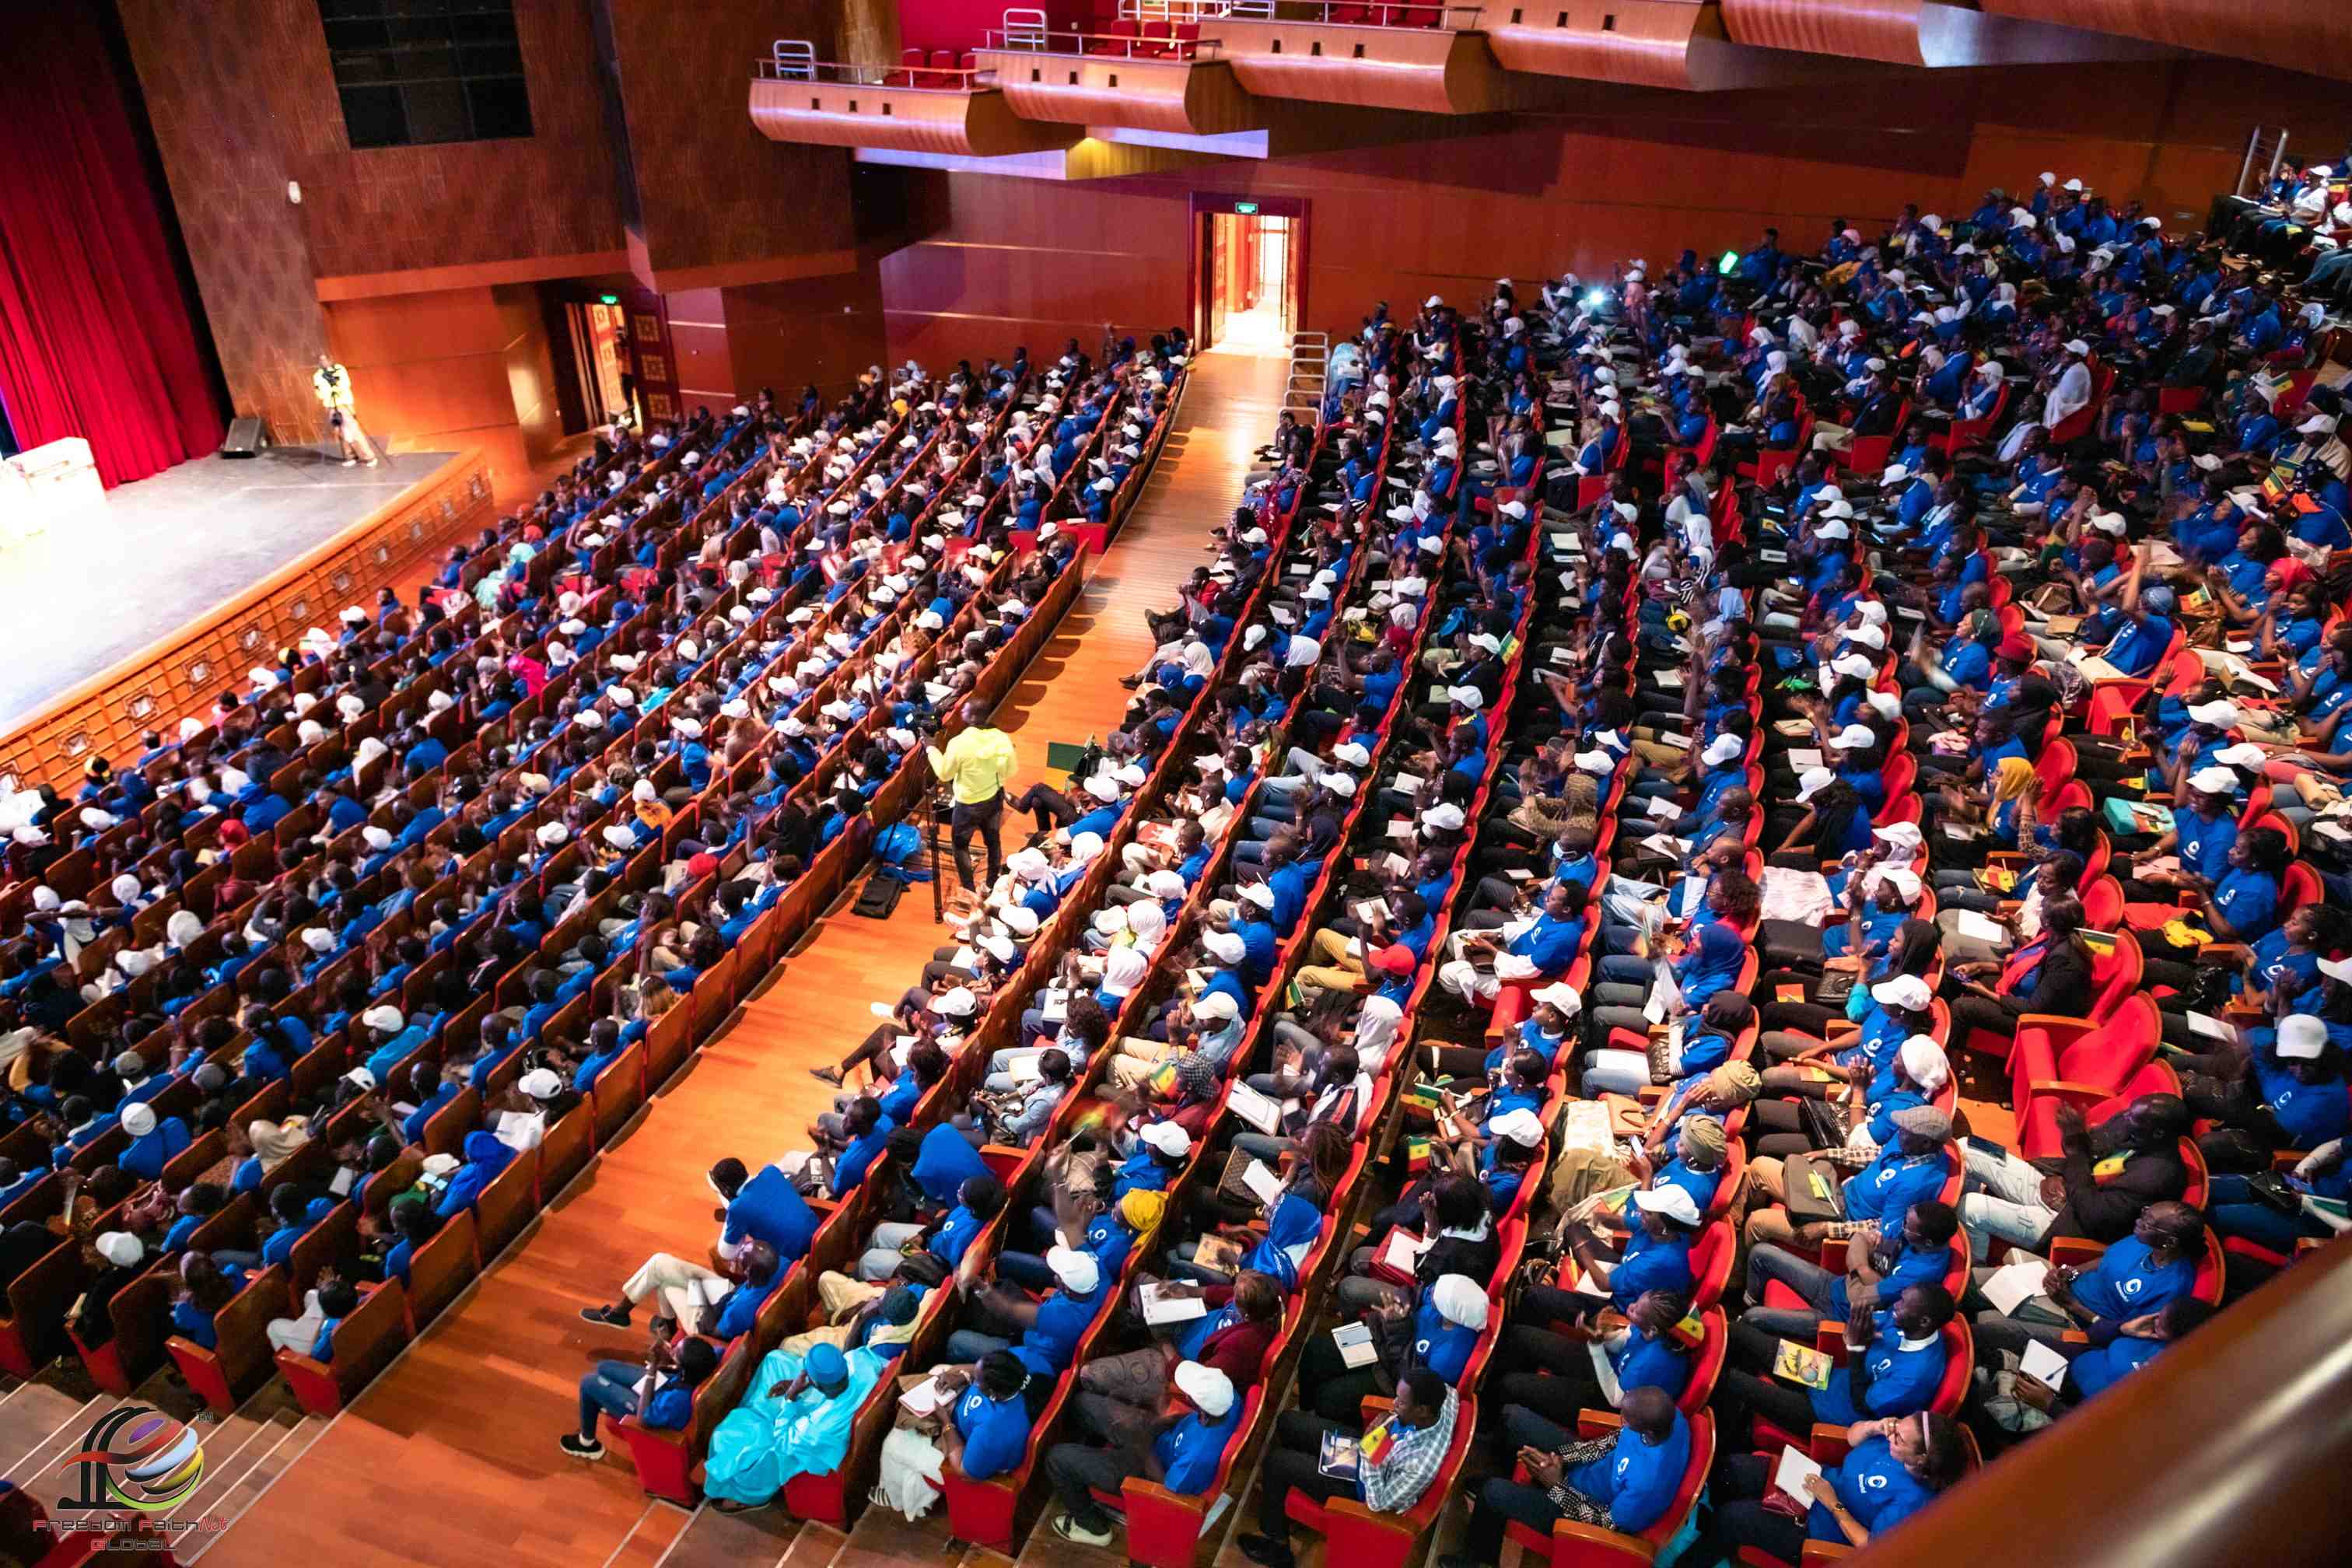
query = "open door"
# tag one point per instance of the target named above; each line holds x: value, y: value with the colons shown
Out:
x: 1250, y: 282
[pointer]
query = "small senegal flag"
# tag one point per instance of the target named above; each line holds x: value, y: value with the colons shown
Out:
x: 1378, y: 1441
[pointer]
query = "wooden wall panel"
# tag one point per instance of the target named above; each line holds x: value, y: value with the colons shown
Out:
x: 712, y: 191
x: 1859, y: 29
x: 530, y: 369
x: 180, y: 676
x: 819, y: 330
x: 391, y: 209
x: 440, y: 370
x: 2306, y: 36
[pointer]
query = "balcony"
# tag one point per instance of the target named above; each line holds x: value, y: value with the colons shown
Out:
x: 1675, y: 44
x: 939, y: 111
x: 1426, y: 59
x: 1923, y: 33
x: 1158, y: 76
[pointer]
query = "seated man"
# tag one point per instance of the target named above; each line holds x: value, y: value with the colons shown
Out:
x: 721, y: 1303
x: 1895, y: 1362
x: 795, y: 1421
x: 766, y: 1208
x: 2096, y: 1188
x: 1179, y: 1448
x: 1874, y: 1271
x: 2156, y: 1264
x: 1624, y: 1483
x: 1398, y: 1457
x: 660, y: 1393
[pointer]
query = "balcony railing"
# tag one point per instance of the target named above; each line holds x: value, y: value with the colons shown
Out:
x: 800, y: 65
x: 1104, y: 45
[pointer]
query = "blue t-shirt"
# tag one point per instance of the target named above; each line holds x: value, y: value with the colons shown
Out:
x: 1875, y: 1488
x: 995, y: 1432
x: 2123, y: 1283
x: 1636, y: 1479
x: 1903, y: 1378
x: 1189, y: 1451
x: 849, y: 1166
x: 769, y: 1208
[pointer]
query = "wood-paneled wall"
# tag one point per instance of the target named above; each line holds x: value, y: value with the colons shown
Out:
x: 452, y: 368
x: 158, y: 686
x: 1639, y: 173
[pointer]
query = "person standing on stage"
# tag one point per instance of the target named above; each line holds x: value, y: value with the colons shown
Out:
x: 977, y: 763
x: 332, y: 383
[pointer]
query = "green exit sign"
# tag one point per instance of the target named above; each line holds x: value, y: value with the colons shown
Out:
x: 608, y: 299
x: 1246, y: 210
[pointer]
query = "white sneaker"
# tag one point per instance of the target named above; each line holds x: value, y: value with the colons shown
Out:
x: 1069, y: 1529
x: 350, y: 462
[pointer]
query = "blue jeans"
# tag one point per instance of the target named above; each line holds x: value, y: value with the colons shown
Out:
x: 2234, y: 1212
x: 612, y: 1388
x: 1767, y: 1263
x: 968, y: 1345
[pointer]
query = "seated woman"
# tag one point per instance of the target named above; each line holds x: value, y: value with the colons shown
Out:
x: 1554, y: 1372
x: 980, y: 1431
x: 1436, y: 1327
x: 2052, y: 974
x: 1234, y: 1330
x: 1896, y: 1364
x: 2272, y: 1088
x: 1893, y: 1467
x: 1294, y: 1216
x: 2001, y: 817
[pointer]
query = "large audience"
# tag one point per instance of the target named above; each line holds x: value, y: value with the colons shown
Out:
x: 1493, y: 1018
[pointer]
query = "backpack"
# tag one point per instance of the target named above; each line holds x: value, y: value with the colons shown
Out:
x: 898, y: 853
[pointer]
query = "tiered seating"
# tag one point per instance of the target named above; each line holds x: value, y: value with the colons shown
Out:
x: 551, y: 842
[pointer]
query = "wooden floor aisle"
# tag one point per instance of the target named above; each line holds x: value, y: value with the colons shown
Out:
x: 450, y: 1455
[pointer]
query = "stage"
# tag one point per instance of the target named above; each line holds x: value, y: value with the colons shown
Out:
x: 136, y: 613
x: 85, y: 595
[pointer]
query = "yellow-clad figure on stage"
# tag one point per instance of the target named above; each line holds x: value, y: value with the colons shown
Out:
x: 332, y: 383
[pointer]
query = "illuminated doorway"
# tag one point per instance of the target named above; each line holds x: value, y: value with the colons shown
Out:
x: 1251, y: 281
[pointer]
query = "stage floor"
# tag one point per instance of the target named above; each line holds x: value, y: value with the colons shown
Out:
x: 89, y: 593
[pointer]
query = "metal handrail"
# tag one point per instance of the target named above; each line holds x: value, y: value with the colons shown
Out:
x: 1193, y: 10
x: 1101, y: 46
x: 897, y: 78
x: 1418, y: 16
x: 1310, y: 358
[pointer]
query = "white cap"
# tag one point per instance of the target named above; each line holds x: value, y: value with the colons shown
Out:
x: 540, y: 1083
x: 1166, y: 1138
x: 1907, y: 991
x: 120, y: 1248
x: 956, y: 1002
x: 1812, y: 781
x: 2245, y: 754
x: 2213, y: 781
x: 1853, y: 738
x: 2077, y: 346
x: 1857, y: 665
x: 2301, y: 1036
x: 1870, y: 634
x: 1460, y: 1299
x: 1723, y: 748
x: 1924, y: 1063
x: 1902, y: 879
x: 385, y: 1019
x: 1519, y: 1125
x: 2221, y: 715
x: 1210, y: 1391
x: 1443, y: 817
x: 1078, y: 1271
x: 1672, y: 1201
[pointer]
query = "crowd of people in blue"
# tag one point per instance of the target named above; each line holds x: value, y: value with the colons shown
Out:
x: 1507, y: 983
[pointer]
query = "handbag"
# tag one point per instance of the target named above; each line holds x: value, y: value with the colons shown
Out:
x: 1815, y: 1193
x: 1825, y: 1123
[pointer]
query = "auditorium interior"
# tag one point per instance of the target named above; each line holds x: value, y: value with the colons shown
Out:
x: 832, y: 783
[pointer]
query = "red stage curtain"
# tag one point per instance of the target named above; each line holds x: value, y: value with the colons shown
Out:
x: 95, y: 338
